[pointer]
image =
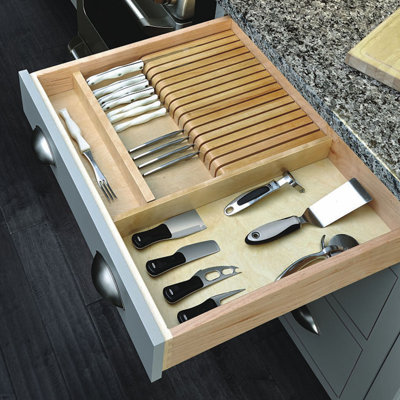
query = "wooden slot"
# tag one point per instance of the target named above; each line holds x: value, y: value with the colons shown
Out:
x: 188, y: 98
x: 192, y: 78
x: 189, y: 53
x: 257, y: 151
x: 209, y: 80
x: 259, y: 85
x: 267, y: 130
x: 198, y: 68
x: 153, y: 72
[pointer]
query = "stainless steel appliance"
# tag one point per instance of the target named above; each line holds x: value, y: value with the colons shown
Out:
x: 104, y: 24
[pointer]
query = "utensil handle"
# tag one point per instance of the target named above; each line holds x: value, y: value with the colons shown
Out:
x: 135, y: 111
x: 74, y: 130
x: 140, y: 120
x: 115, y: 73
x: 249, y: 198
x: 300, y: 264
x: 178, y: 291
x: 304, y: 317
x: 146, y: 238
x: 190, y: 313
x: 273, y: 230
x: 163, y: 264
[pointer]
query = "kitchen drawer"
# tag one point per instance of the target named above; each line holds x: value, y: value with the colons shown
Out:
x: 320, y: 161
x: 334, y: 351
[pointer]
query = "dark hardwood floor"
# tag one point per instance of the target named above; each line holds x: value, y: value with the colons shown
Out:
x: 58, y: 339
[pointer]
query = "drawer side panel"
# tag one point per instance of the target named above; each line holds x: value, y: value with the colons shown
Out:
x: 142, y: 326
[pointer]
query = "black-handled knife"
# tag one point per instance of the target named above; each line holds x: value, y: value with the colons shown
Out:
x: 182, y: 256
x: 178, y: 291
x: 181, y: 225
x: 207, y: 305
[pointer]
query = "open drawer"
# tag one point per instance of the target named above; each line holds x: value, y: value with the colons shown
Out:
x: 231, y: 69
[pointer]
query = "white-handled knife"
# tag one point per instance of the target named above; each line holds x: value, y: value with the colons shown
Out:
x: 135, y: 104
x: 128, y: 99
x: 135, y: 111
x: 118, y: 85
x: 115, y: 72
x: 137, y: 87
x: 140, y: 120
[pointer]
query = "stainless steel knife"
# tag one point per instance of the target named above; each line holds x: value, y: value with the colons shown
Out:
x: 181, y: 225
x: 182, y: 256
x: 177, y: 291
x: 335, y: 205
x: 207, y: 305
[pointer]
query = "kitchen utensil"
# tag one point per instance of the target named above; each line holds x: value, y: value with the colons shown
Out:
x: 170, y: 163
x: 181, y: 225
x: 177, y: 291
x: 128, y: 99
x: 125, y: 91
x: 335, y: 205
x: 164, y: 155
x: 115, y: 72
x: 84, y: 147
x: 207, y: 305
x: 249, y: 198
x: 337, y: 244
x: 140, y: 120
x: 118, y: 85
x: 182, y: 256
x: 131, y: 106
x: 135, y: 111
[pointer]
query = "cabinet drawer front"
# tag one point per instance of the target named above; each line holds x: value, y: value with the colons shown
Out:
x: 97, y: 229
x: 334, y: 351
x: 356, y: 298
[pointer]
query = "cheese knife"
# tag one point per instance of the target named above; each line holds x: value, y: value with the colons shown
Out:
x: 177, y: 291
x: 207, y: 305
x: 173, y: 228
x: 335, y: 205
x: 184, y: 255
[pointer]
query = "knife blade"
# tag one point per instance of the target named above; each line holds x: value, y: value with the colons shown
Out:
x: 173, y: 228
x: 335, y: 205
x: 184, y: 255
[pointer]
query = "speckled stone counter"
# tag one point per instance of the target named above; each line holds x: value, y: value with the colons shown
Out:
x: 308, y: 42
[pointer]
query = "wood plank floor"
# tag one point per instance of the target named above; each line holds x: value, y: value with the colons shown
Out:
x: 58, y: 339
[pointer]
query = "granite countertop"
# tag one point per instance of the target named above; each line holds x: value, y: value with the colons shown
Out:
x: 308, y: 42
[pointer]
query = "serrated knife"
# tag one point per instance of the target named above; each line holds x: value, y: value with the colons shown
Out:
x: 184, y: 255
x: 173, y: 228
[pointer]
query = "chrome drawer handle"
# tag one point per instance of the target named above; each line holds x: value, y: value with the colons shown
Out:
x: 42, y: 148
x: 104, y: 281
x: 303, y: 316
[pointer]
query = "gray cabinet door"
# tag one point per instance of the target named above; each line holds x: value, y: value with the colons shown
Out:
x: 387, y: 383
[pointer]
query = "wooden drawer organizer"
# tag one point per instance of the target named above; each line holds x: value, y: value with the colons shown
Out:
x: 250, y: 124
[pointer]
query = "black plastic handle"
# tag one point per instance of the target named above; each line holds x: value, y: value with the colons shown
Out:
x: 273, y: 230
x: 163, y: 264
x: 190, y: 313
x: 146, y: 238
x: 254, y: 194
x: 178, y: 291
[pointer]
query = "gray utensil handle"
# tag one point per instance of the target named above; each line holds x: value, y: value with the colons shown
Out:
x: 274, y: 230
x: 300, y: 264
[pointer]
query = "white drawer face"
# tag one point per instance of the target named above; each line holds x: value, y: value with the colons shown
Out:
x: 206, y: 185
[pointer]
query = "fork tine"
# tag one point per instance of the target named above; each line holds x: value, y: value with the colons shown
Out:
x: 104, y: 191
x: 110, y: 190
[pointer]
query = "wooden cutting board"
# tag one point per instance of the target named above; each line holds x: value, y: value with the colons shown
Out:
x: 378, y: 55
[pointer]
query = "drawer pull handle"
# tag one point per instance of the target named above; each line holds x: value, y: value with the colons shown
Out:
x: 104, y: 281
x: 42, y: 148
x: 303, y: 316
